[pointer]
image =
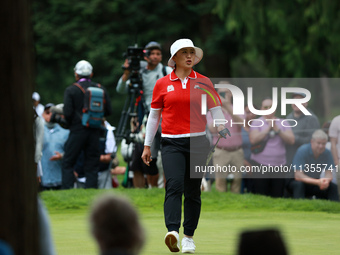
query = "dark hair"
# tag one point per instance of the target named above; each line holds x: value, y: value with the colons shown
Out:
x: 115, y: 224
x: 261, y: 242
x: 84, y: 76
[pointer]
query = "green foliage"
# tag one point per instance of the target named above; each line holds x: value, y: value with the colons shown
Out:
x: 240, y: 38
x: 100, y: 32
x: 295, y: 38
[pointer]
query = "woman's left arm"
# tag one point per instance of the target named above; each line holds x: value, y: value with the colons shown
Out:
x: 217, y: 114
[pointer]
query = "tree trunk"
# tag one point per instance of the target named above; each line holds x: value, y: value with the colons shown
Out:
x: 216, y: 65
x: 18, y: 182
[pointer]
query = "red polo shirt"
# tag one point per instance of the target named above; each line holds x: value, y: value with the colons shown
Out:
x: 181, y: 101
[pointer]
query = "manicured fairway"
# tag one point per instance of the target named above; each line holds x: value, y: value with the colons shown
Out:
x: 306, y: 225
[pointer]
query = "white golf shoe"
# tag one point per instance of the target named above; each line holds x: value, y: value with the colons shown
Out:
x: 188, y: 245
x: 172, y: 241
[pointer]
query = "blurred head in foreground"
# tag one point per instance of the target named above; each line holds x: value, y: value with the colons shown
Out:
x: 115, y: 225
x: 261, y: 242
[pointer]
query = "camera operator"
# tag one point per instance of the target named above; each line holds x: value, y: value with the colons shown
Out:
x: 151, y: 70
x: 58, y: 116
x: 81, y: 137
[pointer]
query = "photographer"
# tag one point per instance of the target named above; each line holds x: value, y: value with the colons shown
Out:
x: 55, y: 138
x: 150, y: 70
x: 58, y: 116
x: 81, y: 137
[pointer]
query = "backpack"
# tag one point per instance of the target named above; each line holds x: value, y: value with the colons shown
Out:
x: 93, y: 109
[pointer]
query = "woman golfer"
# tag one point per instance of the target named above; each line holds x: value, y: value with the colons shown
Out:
x: 178, y: 98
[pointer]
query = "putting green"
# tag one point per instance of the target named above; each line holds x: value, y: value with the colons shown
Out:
x: 217, y: 233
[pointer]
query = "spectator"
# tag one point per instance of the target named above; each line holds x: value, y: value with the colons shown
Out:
x: 81, y: 138
x: 138, y: 167
x: 261, y: 242
x: 325, y: 128
x: 184, y: 141
x: 55, y: 138
x: 115, y: 226
x: 116, y: 169
x: 306, y: 125
x: 46, y: 244
x: 228, y: 152
x: 309, y: 160
x: 108, y: 148
x: 151, y: 70
x: 334, y: 134
x: 38, y: 135
x: 247, y: 182
x: 37, y: 106
x: 271, y: 138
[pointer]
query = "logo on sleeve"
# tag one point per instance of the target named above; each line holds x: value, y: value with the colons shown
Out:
x: 170, y: 88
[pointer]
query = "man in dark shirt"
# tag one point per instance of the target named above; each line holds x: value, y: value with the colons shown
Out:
x: 309, y: 161
x: 81, y: 137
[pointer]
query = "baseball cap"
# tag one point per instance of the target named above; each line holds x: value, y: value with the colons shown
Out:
x: 49, y: 105
x: 36, y: 96
x: 153, y: 45
x: 184, y: 43
x: 83, y: 68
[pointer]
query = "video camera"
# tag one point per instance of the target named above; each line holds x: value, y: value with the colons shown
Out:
x: 58, y: 116
x: 135, y: 54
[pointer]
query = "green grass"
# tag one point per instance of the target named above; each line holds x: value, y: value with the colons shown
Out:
x: 308, y: 226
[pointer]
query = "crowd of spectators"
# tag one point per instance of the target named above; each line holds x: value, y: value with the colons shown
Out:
x: 50, y: 148
x: 290, y: 157
x: 306, y: 155
x: 282, y: 157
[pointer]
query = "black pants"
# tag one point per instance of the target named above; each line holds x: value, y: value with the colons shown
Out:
x: 137, y: 163
x: 273, y: 187
x: 269, y: 184
x: 179, y: 158
x: 302, y: 190
x: 86, y: 139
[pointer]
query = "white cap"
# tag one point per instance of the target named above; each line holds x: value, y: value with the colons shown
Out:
x: 184, y: 43
x: 36, y: 96
x: 83, y: 68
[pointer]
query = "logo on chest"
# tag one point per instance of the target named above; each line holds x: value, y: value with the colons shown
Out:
x: 170, y: 88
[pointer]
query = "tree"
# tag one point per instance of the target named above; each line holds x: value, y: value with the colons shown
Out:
x: 100, y: 31
x: 285, y: 39
x: 18, y: 183
x: 294, y: 39
x: 239, y: 38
